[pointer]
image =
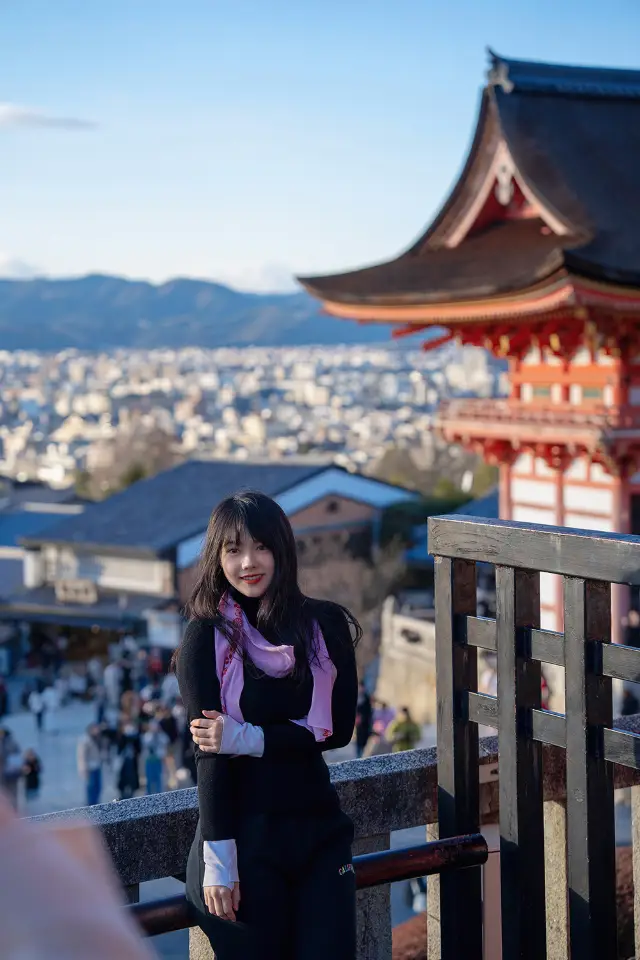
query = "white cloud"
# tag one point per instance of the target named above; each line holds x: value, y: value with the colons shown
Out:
x: 13, y: 115
x: 258, y: 278
x: 12, y: 268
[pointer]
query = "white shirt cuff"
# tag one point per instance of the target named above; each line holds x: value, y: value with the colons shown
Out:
x: 241, y: 739
x: 220, y: 863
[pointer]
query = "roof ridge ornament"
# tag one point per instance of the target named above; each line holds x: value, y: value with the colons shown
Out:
x: 498, y: 73
x: 563, y: 80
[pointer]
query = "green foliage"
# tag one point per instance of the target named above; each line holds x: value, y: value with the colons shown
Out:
x: 82, y: 484
x: 398, y: 521
x: 133, y: 473
x: 485, y: 478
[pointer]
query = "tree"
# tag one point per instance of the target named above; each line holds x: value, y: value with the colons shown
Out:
x: 359, y: 584
x: 134, y: 472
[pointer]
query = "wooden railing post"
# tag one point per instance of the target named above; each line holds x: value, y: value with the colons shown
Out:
x: 590, y: 802
x: 458, y: 760
x: 521, y: 813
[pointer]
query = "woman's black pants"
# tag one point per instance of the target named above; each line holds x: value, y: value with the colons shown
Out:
x: 297, y: 890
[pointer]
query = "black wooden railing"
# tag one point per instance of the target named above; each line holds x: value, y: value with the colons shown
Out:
x: 588, y: 563
x: 372, y: 869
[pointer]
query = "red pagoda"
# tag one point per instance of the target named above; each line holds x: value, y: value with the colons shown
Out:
x: 535, y: 255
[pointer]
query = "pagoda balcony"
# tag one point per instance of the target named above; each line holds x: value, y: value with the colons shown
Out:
x: 524, y: 424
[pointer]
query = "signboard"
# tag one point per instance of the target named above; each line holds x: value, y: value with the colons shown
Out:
x: 76, y: 591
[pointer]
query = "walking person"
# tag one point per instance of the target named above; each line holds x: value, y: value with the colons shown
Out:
x: 89, y: 757
x: 10, y: 765
x: 36, y: 706
x: 632, y: 629
x: 129, y: 749
x: 270, y: 872
x: 403, y: 733
x: 364, y: 719
x: 4, y: 698
x: 51, y: 701
x: 169, y: 726
x: 31, y: 771
x: 112, y: 680
x: 155, y: 743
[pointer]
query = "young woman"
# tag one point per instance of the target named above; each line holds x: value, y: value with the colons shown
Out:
x: 268, y: 678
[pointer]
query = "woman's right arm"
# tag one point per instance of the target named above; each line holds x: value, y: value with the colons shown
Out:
x: 200, y: 690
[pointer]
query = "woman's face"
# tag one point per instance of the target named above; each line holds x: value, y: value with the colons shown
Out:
x: 247, y: 565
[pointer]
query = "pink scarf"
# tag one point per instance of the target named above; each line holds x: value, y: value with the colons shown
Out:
x: 275, y: 662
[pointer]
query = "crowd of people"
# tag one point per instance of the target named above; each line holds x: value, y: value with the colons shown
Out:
x: 139, y: 736
x: 140, y: 732
x: 380, y: 729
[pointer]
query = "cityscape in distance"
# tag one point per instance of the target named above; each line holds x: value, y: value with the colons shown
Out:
x: 103, y: 419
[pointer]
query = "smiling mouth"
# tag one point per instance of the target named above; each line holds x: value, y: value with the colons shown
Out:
x: 256, y: 578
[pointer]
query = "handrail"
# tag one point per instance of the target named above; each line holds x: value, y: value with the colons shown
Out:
x: 371, y: 869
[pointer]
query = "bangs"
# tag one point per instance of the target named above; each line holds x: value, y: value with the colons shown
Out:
x: 257, y: 515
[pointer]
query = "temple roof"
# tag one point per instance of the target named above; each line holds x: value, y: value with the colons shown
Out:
x: 550, y: 188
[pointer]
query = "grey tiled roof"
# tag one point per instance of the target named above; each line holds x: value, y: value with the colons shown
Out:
x: 158, y: 513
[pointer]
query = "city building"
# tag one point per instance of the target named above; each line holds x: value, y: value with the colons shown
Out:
x: 128, y: 562
x: 534, y: 255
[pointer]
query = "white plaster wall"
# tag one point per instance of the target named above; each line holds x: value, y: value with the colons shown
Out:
x: 604, y: 360
x: 591, y: 499
x: 600, y: 475
x: 532, y: 357
x: 33, y: 569
x: 577, y: 470
x: 526, y: 392
x: 575, y: 394
x: 548, y: 620
x: 583, y: 522
x: 539, y: 492
x: 533, y: 515
x: 113, y: 572
x: 581, y: 358
x: 523, y: 464
x: 548, y: 587
x: 542, y: 468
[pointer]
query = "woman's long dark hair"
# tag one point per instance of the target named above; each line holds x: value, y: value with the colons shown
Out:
x: 284, y: 609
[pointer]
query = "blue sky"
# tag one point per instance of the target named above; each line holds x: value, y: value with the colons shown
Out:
x: 246, y: 140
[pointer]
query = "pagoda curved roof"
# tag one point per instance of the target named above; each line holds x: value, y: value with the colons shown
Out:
x: 572, y: 136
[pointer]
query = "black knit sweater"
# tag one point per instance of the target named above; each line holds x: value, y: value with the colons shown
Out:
x: 292, y: 775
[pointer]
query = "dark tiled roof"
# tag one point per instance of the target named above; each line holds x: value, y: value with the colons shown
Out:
x: 574, y: 134
x: 504, y: 258
x: 156, y: 514
x: 22, y: 523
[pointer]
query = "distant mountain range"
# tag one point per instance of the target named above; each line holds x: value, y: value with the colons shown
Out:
x: 102, y: 313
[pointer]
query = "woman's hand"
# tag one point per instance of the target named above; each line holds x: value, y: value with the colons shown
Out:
x: 207, y: 733
x: 222, y: 902
x: 218, y: 733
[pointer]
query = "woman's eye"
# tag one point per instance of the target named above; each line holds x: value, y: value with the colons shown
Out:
x: 261, y: 546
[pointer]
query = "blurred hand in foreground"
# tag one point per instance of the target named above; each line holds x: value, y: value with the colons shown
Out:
x: 59, y: 898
